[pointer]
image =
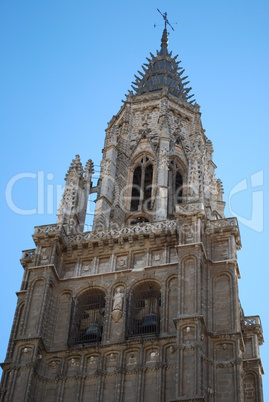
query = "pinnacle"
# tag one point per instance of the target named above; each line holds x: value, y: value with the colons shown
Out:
x: 75, y: 168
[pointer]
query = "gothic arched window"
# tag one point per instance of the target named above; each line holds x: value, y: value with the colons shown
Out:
x: 144, y: 310
x: 142, y: 185
x: 175, y: 183
x: 87, y: 316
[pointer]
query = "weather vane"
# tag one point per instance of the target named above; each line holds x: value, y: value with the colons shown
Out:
x: 166, y: 22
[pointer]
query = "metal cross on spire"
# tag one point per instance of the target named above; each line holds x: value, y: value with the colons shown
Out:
x: 166, y: 22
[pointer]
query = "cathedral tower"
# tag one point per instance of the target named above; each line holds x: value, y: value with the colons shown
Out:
x: 146, y: 305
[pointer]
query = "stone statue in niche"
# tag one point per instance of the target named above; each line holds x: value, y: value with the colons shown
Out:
x: 92, y: 360
x: 132, y: 358
x: 117, y: 305
x: 118, y: 300
x: 153, y: 356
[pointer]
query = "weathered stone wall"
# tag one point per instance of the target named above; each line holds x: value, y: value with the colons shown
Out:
x: 199, y: 351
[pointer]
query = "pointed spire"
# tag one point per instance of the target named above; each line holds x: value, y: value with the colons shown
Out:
x: 162, y: 72
x: 164, y: 42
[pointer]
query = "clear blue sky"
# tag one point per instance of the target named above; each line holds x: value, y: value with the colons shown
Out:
x: 65, y: 67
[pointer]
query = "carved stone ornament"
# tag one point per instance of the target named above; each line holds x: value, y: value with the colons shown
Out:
x: 164, y: 162
x: 116, y: 315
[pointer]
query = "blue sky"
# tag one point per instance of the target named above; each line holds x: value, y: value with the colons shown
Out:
x: 65, y: 67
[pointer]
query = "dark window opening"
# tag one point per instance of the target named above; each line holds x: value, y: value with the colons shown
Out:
x: 148, y: 186
x: 178, y: 188
x: 136, y: 189
x: 141, y: 198
x: 144, y: 313
x: 175, y: 189
x: 87, y: 316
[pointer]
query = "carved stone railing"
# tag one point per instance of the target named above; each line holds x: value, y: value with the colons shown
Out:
x: 253, y: 324
x: 189, y: 208
x: 226, y: 223
x: 47, y: 229
x: 138, y: 229
x: 252, y: 321
x: 28, y: 255
x: 168, y: 226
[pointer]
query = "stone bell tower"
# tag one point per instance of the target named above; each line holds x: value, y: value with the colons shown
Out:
x: 156, y: 156
x: 146, y: 306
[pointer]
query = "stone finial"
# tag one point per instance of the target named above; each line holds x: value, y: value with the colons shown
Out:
x: 164, y: 42
x: 89, y: 170
x: 220, y: 190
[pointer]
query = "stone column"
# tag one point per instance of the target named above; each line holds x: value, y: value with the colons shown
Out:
x: 162, y: 181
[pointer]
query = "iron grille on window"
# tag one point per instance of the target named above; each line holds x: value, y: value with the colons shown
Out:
x: 86, y: 322
x: 143, y: 313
